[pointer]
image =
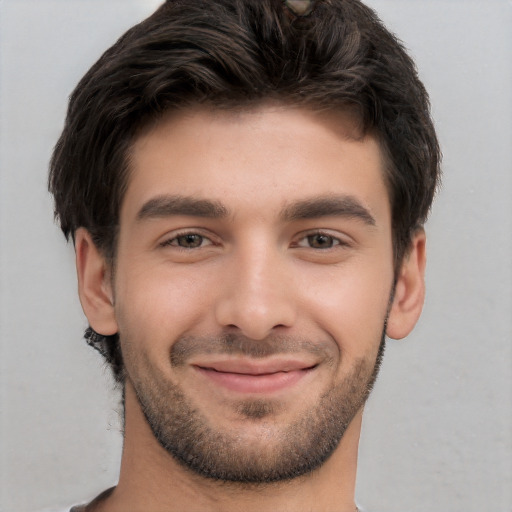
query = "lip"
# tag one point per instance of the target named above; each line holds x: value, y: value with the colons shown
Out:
x: 255, y: 377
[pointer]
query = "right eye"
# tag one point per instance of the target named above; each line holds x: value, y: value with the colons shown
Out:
x: 187, y: 241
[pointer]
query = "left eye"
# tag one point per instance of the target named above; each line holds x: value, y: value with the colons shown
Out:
x: 189, y: 241
x: 319, y: 241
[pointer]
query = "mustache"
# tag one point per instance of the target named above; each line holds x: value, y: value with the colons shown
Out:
x: 235, y: 344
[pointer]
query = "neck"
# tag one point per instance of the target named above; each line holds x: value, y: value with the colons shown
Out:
x: 151, y: 479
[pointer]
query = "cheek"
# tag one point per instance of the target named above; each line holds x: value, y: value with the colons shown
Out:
x: 351, y: 305
x: 156, y: 304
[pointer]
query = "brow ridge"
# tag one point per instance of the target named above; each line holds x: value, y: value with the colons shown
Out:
x: 169, y: 205
x: 327, y: 206
x: 310, y: 208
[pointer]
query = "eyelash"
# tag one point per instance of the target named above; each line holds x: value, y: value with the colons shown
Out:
x: 176, y: 237
x: 336, y: 241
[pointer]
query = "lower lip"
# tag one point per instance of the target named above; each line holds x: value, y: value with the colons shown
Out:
x: 244, y: 383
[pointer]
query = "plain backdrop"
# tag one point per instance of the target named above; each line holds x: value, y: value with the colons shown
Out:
x: 438, y: 428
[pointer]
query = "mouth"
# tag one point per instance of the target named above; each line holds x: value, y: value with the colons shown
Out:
x: 258, y: 378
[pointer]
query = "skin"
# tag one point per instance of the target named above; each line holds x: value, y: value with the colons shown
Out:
x: 272, y: 267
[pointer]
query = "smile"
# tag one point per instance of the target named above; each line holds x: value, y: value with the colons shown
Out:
x: 255, y: 378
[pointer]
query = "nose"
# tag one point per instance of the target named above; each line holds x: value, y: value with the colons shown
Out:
x: 257, y: 294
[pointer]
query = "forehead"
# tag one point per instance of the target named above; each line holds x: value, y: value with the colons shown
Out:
x: 255, y: 159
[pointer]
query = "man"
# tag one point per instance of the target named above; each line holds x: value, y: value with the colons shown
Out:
x: 245, y: 184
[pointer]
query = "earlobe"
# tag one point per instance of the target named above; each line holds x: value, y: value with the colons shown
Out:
x: 409, y: 291
x: 94, y: 286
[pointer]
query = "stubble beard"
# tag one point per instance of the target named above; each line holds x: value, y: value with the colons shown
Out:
x: 283, y: 452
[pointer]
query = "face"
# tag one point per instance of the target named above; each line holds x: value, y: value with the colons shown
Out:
x: 252, y: 285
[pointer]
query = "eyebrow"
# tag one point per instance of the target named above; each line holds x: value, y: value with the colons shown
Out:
x: 330, y: 206
x: 311, y: 208
x: 166, y: 206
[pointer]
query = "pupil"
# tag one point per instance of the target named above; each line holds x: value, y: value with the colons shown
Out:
x: 190, y: 240
x: 320, y: 241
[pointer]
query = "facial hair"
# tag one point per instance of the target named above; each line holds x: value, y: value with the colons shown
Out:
x: 284, y: 450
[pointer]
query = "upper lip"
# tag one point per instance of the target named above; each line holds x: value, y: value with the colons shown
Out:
x: 251, y: 367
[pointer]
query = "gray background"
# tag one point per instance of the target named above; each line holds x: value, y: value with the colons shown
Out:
x: 438, y: 428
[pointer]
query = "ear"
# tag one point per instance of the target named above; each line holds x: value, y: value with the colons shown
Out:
x: 94, y: 286
x: 410, y: 289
